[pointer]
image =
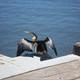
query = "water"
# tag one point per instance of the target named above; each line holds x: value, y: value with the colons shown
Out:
x: 59, y: 19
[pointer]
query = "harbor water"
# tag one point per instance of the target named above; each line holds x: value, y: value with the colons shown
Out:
x: 58, y: 19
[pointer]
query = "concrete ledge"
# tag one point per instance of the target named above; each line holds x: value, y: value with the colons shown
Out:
x: 19, y: 65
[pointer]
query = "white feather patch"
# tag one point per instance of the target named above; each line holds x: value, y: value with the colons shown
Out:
x: 49, y: 43
x: 26, y: 43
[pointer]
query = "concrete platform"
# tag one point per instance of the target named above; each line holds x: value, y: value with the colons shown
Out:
x: 62, y: 68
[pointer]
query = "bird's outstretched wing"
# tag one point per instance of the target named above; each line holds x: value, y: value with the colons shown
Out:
x: 50, y: 44
x: 24, y: 45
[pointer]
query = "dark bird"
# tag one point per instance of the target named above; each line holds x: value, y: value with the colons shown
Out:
x: 39, y: 47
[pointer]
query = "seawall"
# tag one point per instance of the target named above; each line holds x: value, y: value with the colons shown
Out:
x: 26, y: 68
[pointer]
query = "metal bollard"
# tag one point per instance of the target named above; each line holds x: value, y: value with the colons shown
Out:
x: 76, y: 48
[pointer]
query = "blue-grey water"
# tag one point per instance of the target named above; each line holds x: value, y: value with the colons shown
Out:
x: 59, y: 19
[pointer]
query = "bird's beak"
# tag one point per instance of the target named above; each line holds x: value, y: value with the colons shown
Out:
x: 28, y: 32
x: 55, y: 50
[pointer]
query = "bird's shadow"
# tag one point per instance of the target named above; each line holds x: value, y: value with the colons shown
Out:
x: 31, y: 55
x: 42, y: 58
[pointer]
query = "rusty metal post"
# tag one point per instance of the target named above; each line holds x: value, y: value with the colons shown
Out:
x: 76, y: 48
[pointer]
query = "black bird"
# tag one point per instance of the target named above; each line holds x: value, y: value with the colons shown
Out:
x: 39, y: 47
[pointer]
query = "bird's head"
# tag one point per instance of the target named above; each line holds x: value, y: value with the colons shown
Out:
x: 34, y: 39
x: 34, y: 36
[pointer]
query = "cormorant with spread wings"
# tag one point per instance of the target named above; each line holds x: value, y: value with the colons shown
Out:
x: 39, y: 47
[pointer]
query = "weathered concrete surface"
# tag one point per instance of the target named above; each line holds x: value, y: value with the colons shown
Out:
x: 64, y: 71
x: 19, y: 65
